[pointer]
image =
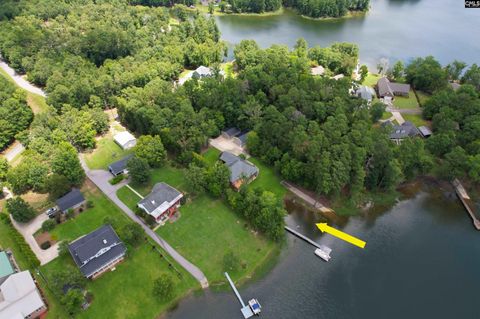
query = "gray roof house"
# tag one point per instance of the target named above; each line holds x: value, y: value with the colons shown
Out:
x: 97, y: 252
x: 231, y: 132
x: 162, y: 202
x: 74, y: 199
x: 240, y: 169
x: 385, y: 88
x: 241, y: 139
x: 119, y: 167
x: 400, y: 132
x: 365, y: 92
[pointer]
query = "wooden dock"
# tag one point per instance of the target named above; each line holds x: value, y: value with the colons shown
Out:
x: 246, y: 311
x: 308, y: 240
x: 466, y: 201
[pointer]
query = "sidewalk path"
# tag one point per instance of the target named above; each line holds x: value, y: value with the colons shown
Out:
x: 307, y: 198
x: 101, y: 178
x: 20, y: 81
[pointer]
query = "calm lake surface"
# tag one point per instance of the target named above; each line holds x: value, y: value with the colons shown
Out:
x: 422, y: 258
x: 396, y: 29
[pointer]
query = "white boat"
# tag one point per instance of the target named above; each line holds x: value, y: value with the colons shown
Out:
x: 255, y: 306
x: 323, y: 253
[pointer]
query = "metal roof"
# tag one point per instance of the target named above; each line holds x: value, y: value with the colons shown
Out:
x: 123, y: 138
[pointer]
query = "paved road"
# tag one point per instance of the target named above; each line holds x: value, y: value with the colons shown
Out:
x: 101, y: 178
x: 27, y: 230
x: 20, y: 81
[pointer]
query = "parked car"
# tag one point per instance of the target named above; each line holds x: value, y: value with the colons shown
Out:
x: 51, y: 212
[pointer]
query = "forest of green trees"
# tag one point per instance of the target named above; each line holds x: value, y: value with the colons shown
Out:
x: 90, y: 56
x: 327, y: 8
x: 15, y: 114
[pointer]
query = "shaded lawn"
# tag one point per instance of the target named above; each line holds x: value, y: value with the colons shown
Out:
x: 386, y: 115
x: 415, y: 119
x: 211, y: 155
x: 106, y: 152
x: 406, y: 103
x: 90, y: 219
x: 422, y: 97
x: 207, y: 230
x: 127, y: 291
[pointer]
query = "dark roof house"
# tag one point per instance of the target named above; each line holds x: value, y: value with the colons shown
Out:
x: 162, y: 202
x: 119, y: 167
x: 385, y: 88
x: 241, y: 140
x: 400, y: 132
x: 97, y: 251
x: 425, y: 131
x: 72, y: 200
x: 231, y: 132
x: 240, y: 169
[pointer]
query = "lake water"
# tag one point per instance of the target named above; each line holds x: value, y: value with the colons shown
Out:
x: 422, y: 260
x: 396, y: 29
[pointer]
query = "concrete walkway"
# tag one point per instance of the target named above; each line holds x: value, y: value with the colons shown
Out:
x: 101, y: 178
x: 398, y: 117
x: 20, y: 81
x: 307, y: 198
x: 27, y: 230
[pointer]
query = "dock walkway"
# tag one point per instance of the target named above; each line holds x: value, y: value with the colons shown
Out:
x: 307, y: 198
x: 466, y: 201
x: 308, y: 240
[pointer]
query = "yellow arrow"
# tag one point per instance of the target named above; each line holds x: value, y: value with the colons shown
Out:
x: 340, y: 234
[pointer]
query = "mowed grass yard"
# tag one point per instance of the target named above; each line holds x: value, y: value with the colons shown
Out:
x: 126, y: 292
x: 207, y: 228
x: 409, y: 102
x: 106, y: 152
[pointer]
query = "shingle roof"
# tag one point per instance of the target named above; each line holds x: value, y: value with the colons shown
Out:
x: 400, y: 88
x: 425, y: 131
x: 243, y: 138
x: 203, y: 71
x: 407, y: 129
x: 70, y: 200
x: 239, y: 168
x: 96, y: 249
x: 384, y: 88
x: 119, y: 166
x: 232, y: 131
x: 160, y: 194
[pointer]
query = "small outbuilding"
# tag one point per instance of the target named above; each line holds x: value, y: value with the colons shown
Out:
x: 97, y: 252
x: 231, y: 132
x: 318, y: 70
x: 119, y: 167
x: 425, y: 131
x: 125, y: 140
x: 162, y: 202
x: 241, y: 171
x: 74, y: 200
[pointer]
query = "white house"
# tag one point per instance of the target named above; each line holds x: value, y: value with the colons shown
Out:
x: 20, y: 298
x: 125, y: 140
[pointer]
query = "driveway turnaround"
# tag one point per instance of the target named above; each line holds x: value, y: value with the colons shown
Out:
x: 27, y: 230
x: 20, y: 81
x: 101, y: 178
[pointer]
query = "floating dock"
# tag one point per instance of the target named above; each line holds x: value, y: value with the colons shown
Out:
x: 466, y: 201
x: 246, y: 311
x: 308, y: 240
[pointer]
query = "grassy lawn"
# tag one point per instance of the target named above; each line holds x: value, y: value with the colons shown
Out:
x: 268, y: 179
x: 386, y: 115
x: 129, y: 288
x: 228, y: 68
x: 409, y: 102
x: 207, y: 230
x: 415, y: 119
x: 371, y: 79
x: 91, y: 218
x: 422, y: 97
x: 211, y: 155
x: 37, y: 103
x: 107, y: 152
x: 168, y: 174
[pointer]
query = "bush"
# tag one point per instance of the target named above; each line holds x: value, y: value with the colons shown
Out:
x: 132, y: 234
x: 231, y: 262
x: 48, y: 225
x: 45, y: 245
x: 21, y: 211
x: 90, y: 204
x: 117, y: 179
x: 164, y: 287
x: 30, y: 257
